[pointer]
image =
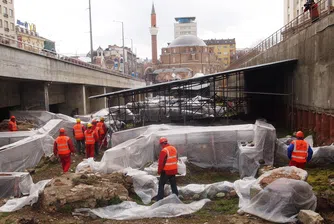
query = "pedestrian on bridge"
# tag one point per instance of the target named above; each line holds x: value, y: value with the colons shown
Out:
x: 102, y: 132
x: 12, y: 126
x: 299, y: 151
x: 311, y: 6
x: 91, y: 139
x: 62, y: 148
x: 79, y: 135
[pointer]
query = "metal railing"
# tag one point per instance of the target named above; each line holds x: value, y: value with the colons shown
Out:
x: 52, y: 54
x: 302, y: 21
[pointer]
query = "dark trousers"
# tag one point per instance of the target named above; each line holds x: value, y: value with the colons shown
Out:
x: 162, y: 181
x: 80, y: 146
x: 96, y: 149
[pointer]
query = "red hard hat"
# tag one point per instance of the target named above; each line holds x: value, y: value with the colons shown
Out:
x: 300, y: 134
x: 163, y: 140
x: 12, y: 117
x: 62, y: 130
x: 94, y: 121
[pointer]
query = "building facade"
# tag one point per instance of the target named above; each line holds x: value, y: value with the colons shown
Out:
x: 225, y: 50
x: 7, y: 20
x: 292, y: 8
x: 185, y: 26
x: 29, y: 38
x: 186, y: 56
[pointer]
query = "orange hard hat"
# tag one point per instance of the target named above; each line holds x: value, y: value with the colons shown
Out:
x: 163, y: 140
x: 300, y: 134
x: 62, y: 130
x: 12, y: 117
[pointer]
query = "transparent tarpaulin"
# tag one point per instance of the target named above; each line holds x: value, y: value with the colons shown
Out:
x: 170, y: 206
x: 14, y: 184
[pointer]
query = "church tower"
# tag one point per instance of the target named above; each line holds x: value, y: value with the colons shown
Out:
x: 154, y: 32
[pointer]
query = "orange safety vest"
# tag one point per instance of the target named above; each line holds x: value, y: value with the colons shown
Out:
x: 300, y: 153
x: 100, y: 126
x: 78, y: 132
x: 171, y: 162
x: 13, y: 126
x: 62, y: 145
x: 90, y: 140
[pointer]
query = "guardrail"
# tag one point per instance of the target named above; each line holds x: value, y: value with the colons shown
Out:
x: 302, y: 21
x: 44, y: 52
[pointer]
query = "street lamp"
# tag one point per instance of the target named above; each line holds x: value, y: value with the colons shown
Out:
x: 123, y: 44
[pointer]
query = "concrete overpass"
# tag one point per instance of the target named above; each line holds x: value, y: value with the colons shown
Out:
x: 30, y: 80
x: 313, y: 82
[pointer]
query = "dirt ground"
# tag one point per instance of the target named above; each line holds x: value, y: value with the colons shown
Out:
x: 216, y: 211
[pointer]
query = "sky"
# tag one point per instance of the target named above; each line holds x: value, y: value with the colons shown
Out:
x: 67, y: 21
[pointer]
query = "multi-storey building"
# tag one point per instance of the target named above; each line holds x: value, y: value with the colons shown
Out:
x: 185, y: 26
x: 225, y: 50
x: 7, y: 21
x: 292, y: 8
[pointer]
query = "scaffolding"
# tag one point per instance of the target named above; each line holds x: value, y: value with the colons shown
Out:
x: 209, y: 98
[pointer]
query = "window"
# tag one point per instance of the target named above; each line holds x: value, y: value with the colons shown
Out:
x: 207, y: 59
x: 297, y: 12
x: 173, y: 60
x: 5, y: 10
x: 12, y: 26
x: 10, y: 1
x: 0, y: 9
x: 6, y: 24
x: 11, y: 13
x: 225, y: 53
x: 219, y: 52
x: 0, y: 23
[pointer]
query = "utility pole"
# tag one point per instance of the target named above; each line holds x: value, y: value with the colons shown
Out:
x: 123, y: 44
x: 91, y: 32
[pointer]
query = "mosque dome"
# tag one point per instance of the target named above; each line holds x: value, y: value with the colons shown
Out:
x: 187, y: 40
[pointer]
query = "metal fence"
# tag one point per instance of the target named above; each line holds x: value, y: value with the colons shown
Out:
x: 51, y: 54
x: 302, y: 21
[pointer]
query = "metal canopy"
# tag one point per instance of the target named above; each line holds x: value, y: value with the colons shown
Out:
x: 200, y: 80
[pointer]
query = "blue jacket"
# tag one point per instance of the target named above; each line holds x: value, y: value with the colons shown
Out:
x: 309, y: 151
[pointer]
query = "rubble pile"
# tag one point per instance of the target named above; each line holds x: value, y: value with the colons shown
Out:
x: 22, y: 125
x: 85, y: 191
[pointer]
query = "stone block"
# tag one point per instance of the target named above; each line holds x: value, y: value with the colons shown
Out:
x: 309, y: 217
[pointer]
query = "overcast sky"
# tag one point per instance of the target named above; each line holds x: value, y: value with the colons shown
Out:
x: 67, y: 21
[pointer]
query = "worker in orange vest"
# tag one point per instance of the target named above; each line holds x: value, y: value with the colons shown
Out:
x: 96, y: 130
x: 299, y: 151
x: 102, y: 132
x: 12, y: 126
x: 79, y: 135
x: 167, y: 167
x: 313, y: 7
x: 63, y: 147
x: 90, y: 140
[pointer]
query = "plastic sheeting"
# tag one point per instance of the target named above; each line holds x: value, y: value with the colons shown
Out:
x: 181, y: 167
x: 281, y: 200
x: 18, y: 203
x: 7, y: 138
x: 170, y: 206
x: 263, y: 148
x: 14, y: 184
x: 27, y: 152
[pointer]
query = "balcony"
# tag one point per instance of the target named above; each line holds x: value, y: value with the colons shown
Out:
x: 4, y: 1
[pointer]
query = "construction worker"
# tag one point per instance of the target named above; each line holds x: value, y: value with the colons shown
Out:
x: 167, y: 167
x: 313, y: 8
x: 96, y: 130
x: 79, y: 135
x: 12, y: 126
x: 299, y: 151
x: 102, y: 132
x: 90, y: 139
x: 63, y: 147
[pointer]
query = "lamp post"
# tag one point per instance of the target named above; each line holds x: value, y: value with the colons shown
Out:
x: 91, y: 32
x: 123, y: 44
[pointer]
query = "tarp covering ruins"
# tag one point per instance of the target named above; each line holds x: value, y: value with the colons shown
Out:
x: 219, y: 146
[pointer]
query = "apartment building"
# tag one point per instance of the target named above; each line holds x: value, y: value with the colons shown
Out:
x: 7, y: 20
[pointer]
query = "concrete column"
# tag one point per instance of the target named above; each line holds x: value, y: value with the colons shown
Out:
x: 34, y: 96
x: 96, y: 104
x: 75, y: 100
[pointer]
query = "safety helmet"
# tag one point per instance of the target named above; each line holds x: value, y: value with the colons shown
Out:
x: 78, y: 120
x: 300, y: 134
x: 94, y: 121
x: 12, y: 117
x: 62, y: 130
x: 163, y: 140
x: 101, y: 118
x: 89, y: 125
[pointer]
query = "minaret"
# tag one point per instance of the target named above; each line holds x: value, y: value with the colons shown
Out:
x: 154, y: 31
